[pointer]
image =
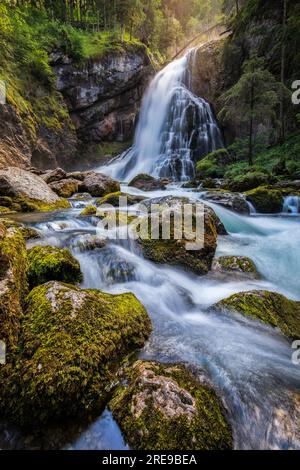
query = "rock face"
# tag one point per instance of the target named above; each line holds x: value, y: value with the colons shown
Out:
x: 44, y: 146
x: 176, y: 249
x: 13, y: 285
x: 234, y: 202
x: 47, y: 263
x: 103, y: 96
x: 268, y: 307
x: 148, y: 183
x: 28, y: 190
x: 73, y: 341
x: 163, y: 407
x: 237, y: 266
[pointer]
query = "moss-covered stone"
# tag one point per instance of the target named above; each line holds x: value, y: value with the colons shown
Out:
x: 13, y: 284
x: 88, y: 211
x: 163, y: 407
x: 4, y: 210
x: 72, y: 343
x: 65, y: 188
x: 28, y: 233
x: 176, y: 250
x: 114, y: 199
x: 236, y: 265
x: 268, y: 307
x: 266, y: 200
x: 47, y: 263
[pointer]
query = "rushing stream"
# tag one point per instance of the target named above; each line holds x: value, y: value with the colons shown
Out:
x: 248, y: 363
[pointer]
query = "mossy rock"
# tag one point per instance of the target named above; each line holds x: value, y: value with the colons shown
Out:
x: 164, y: 407
x: 176, y: 250
x: 249, y: 181
x: 65, y: 188
x: 47, y: 263
x: 88, y: 211
x: 213, y: 165
x: 28, y: 233
x: 265, y: 200
x: 13, y: 285
x: 268, y: 307
x: 116, y: 218
x: 4, y: 210
x: 73, y: 341
x: 235, y: 265
x: 114, y: 199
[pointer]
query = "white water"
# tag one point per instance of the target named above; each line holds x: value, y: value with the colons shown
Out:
x: 248, y: 363
x: 291, y: 205
x: 175, y: 128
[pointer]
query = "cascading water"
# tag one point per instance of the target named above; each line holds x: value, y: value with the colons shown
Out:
x: 291, y: 205
x: 175, y: 129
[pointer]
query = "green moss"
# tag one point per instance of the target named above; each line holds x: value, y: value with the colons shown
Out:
x: 114, y: 199
x: 13, y: 284
x: 27, y: 232
x: 32, y: 205
x: 269, y: 307
x: 175, y: 251
x: 4, y: 210
x: 47, y: 263
x: 266, y: 200
x: 73, y: 341
x: 213, y: 165
x: 89, y: 210
x: 163, y: 407
x: 238, y: 264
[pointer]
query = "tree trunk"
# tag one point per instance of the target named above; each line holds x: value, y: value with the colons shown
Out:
x: 64, y: 11
x: 237, y: 6
x: 283, y: 51
x: 122, y: 28
x: 250, y: 150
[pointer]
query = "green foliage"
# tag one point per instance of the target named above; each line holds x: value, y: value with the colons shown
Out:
x: 213, y: 165
x: 46, y: 263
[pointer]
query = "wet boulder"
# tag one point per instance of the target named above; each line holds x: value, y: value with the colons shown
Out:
x: 65, y: 187
x: 190, y: 246
x: 266, y: 200
x: 146, y: 182
x: 54, y: 175
x: 232, y: 201
x: 165, y: 407
x: 89, y: 211
x: 13, y: 284
x: 98, y: 185
x: 28, y: 233
x: 235, y: 266
x: 269, y: 307
x: 28, y: 192
x: 249, y: 181
x: 73, y: 341
x: 48, y: 263
x: 114, y: 199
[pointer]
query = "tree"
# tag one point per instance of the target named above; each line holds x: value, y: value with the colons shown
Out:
x: 252, y: 100
x: 282, y: 74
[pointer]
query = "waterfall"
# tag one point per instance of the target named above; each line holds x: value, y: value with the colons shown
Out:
x: 291, y: 205
x: 175, y: 129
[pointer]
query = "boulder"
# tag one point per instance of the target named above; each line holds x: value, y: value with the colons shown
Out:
x: 237, y: 266
x: 28, y: 191
x: 231, y: 201
x: 13, y: 285
x: 164, y: 407
x: 268, y: 307
x: 88, y: 211
x: 73, y: 341
x: 148, y: 183
x: 180, y: 249
x: 65, y: 187
x: 114, y: 199
x: 250, y: 180
x: 47, y: 263
x: 28, y: 233
x: 54, y: 175
x: 98, y: 185
x: 266, y: 200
